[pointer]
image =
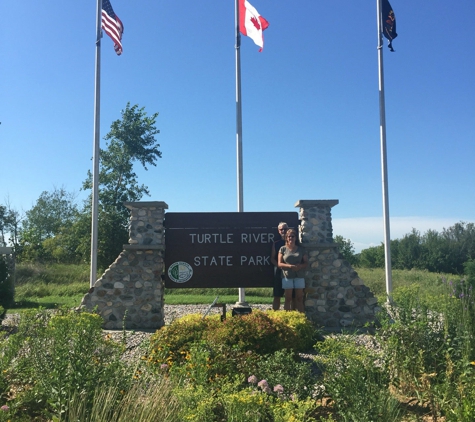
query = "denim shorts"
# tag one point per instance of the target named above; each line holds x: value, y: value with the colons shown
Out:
x: 293, y: 283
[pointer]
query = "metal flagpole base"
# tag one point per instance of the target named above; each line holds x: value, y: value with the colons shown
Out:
x: 241, y: 308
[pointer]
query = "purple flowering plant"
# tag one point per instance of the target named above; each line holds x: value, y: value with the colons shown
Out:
x: 252, y: 379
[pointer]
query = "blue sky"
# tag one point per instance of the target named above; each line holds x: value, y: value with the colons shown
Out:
x: 310, y: 106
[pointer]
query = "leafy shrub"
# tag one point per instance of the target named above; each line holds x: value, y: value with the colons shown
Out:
x: 373, y: 257
x: 199, y: 404
x: 460, y: 403
x: 56, y: 355
x: 258, y: 332
x: 242, y: 406
x: 469, y: 271
x: 170, y: 344
x: 431, y: 352
x: 413, y: 340
x: 356, y: 380
x: 302, y: 330
x: 455, y: 395
x: 459, y: 319
x: 285, y: 368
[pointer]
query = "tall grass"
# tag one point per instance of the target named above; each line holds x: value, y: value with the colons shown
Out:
x: 430, y: 285
x: 150, y: 399
x: 430, y: 349
x: 49, y: 286
x: 51, y: 274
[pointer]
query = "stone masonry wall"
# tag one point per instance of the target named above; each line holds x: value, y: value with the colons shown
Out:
x: 335, y: 296
x: 130, y: 292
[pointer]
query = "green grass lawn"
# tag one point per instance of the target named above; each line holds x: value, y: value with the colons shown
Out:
x: 57, y: 285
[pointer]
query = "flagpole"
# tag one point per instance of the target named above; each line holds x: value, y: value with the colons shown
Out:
x: 384, y: 170
x: 96, y: 148
x: 240, y: 202
x: 238, y: 113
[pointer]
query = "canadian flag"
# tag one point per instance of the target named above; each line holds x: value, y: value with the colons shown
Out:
x: 251, y: 23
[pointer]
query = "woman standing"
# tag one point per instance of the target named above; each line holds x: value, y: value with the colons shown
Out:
x: 293, y: 260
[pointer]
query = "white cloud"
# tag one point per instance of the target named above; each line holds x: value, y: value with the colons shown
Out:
x: 369, y: 231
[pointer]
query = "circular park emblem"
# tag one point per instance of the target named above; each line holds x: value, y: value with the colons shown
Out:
x: 180, y: 272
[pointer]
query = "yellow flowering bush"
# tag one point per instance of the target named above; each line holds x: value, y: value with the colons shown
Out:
x: 170, y: 344
x: 258, y: 332
x: 302, y: 330
x: 255, y: 332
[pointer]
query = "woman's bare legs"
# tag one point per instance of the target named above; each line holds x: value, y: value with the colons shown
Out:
x: 288, y: 299
x: 298, y: 300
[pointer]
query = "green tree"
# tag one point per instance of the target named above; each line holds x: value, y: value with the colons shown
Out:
x: 372, y: 257
x: 53, y: 212
x: 130, y: 140
x: 9, y: 224
x: 409, y: 251
x: 432, y: 255
x: 3, y: 224
x: 347, y: 249
x: 458, y: 246
x: 448, y: 251
x: 72, y: 244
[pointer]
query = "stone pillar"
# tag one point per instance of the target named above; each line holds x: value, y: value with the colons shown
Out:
x: 130, y: 292
x: 335, y: 296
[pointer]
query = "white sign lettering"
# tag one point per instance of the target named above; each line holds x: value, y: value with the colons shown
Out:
x: 255, y: 260
x: 213, y: 260
x: 226, y: 238
x: 211, y: 238
x: 257, y: 237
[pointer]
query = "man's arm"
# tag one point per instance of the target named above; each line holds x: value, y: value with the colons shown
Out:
x: 273, y: 255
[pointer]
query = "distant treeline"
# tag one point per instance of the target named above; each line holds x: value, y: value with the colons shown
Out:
x: 57, y: 230
x: 449, y: 251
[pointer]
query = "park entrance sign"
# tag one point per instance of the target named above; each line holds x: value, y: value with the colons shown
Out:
x: 225, y: 250
x: 229, y: 249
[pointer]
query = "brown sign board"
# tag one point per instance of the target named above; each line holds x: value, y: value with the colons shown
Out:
x: 230, y: 249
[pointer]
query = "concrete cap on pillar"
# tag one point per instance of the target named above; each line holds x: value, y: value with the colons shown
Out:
x: 310, y: 203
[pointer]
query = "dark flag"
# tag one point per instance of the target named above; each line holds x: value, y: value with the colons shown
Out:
x: 112, y: 25
x: 389, y: 23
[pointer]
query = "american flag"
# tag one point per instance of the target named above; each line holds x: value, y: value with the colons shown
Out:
x: 112, y: 25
